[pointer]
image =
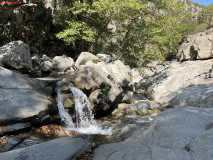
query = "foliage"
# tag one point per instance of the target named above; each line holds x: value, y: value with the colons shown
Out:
x: 136, y: 31
x: 206, y: 16
x: 106, y: 90
x: 201, y: 27
x: 76, y: 31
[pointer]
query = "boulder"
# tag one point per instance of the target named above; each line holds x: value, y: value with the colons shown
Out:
x: 181, y: 133
x: 62, y: 63
x: 142, y: 107
x: 45, y: 58
x: 46, y: 66
x: 84, y: 58
x: 127, y: 98
x: 61, y: 148
x: 68, y: 100
x: 16, y: 55
x: 186, y: 83
x: 21, y: 98
x: 112, y: 78
x: 198, y: 46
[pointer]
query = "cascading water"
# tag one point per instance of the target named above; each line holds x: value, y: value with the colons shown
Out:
x: 65, y: 117
x: 84, y: 116
x: 85, y: 122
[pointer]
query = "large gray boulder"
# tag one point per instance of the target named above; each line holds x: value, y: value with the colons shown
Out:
x: 61, y: 148
x: 16, y: 55
x: 198, y: 46
x: 21, y: 98
x: 187, y: 83
x: 62, y: 63
x: 84, y: 58
x: 181, y: 133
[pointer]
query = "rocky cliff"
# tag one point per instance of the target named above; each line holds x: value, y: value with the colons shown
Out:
x: 193, y: 8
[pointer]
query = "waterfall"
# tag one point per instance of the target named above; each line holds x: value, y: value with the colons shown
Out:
x: 65, y: 117
x: 84, y: 116
x: 85, y: 122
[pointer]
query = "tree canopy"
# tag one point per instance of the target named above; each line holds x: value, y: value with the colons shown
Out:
x: 137, y: 31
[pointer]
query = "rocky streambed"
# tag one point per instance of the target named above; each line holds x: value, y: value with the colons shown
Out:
x: 167, y: 115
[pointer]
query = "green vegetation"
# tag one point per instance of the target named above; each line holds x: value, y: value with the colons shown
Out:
x: 205, y: 17
x: 136, y: 31
x: 106, y: 90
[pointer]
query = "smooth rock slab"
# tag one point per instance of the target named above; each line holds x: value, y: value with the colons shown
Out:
x: 21, y: 98
x: 181, y: 133
x: 58, y: 149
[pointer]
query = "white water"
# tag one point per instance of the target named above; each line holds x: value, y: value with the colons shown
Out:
x: 85, y: 122
x: 84, y: 116
x: 65, y: 117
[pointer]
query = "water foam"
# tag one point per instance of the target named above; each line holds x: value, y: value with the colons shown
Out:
x: 65, y: 117
x: 85, y: 123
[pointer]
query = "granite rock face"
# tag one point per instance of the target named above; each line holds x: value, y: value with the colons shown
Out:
x: 186, y: 83
x: 181, y: 133
x: 197, y: 47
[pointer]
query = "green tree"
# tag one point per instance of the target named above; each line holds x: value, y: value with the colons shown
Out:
x: 154, y: 34
x: 89, y: 20
x: 140, y: 31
